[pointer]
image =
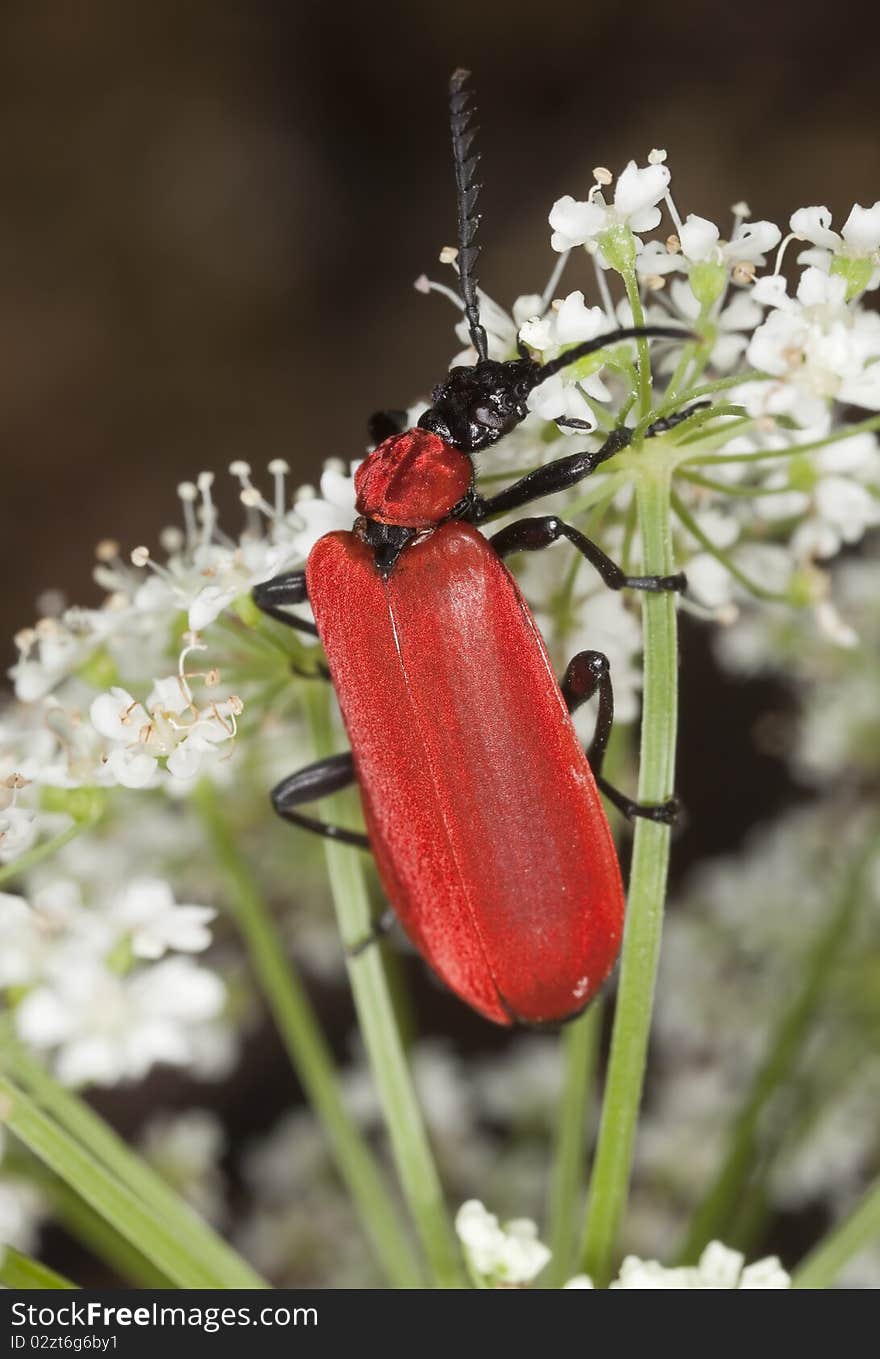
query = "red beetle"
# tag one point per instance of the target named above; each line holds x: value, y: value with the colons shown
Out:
x: 481, y: 808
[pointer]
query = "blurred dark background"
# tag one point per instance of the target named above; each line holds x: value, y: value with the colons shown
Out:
x: 212, y: 216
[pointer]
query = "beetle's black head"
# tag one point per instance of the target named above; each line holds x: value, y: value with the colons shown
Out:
x: 476, y: 406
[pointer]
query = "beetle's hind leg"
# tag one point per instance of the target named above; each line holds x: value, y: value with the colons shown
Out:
x: 309, y: 785
x: 531, y: 535
x: 586, y: 673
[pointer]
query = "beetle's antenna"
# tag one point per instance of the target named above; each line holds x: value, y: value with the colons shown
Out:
x: 580, y: 351
x: 467, y: 192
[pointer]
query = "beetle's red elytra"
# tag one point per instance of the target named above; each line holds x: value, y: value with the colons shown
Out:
x: 485, y: 820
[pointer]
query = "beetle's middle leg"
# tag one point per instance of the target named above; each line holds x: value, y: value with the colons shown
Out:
x: 309, y: 785
x: 588, y: 672
x: 271, y: 597
x: 530, y: 535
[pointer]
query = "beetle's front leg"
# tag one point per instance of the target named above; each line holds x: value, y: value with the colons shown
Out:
x: 271, y: 596
x: 587, y: 672
x: 548, y: 480
x: 309, y: 785
x: 531, y: 535
x: 383, y: 424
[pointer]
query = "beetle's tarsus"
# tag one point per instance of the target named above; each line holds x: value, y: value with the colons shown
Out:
x: 377, y: 931
x: 668, y: 422
x: 666, y: 813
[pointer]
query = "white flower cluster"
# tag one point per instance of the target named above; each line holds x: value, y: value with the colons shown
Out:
x: 757, y: 516
x: 510, y: 1256
x: 719, y: 1267
x: 83, y: 996
x: 203, y: 572
x: 737, y: 951
x: 513, y: 1256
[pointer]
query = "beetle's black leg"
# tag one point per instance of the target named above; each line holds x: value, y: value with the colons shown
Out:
x: 555, y: 476
x: 530, y: 535
x: 377, y: 931
x: 583, y: 675
x: 383, y: 424
x: 271, y: 595
x: 587, y: 672
x: 308, y: 785
x: 668, y: 422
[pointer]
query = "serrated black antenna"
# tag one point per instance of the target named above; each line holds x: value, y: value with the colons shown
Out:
x: 466, y: 192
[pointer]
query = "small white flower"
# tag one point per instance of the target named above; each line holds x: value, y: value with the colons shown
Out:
x: 568, y: 322
x: 858, y: 239
x: 636, y: 195
x: 104, y: 1029
x: 21, y: 942
x: 22, y: 1209
x: 701, y: 242
x: 172, y: 727
x: 511, y: 1254
x: 333, y: 509
x: 709, y: 581
x: 820, y: 350
x: 147, y: 910
x: 732, y: 324
x: 18, y: 830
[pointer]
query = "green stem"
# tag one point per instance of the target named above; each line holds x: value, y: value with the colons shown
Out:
x: 145, y: 1226
x: 666, y: 407
x: 44, y: 850
x: 307, y: 1048
x: 684, y: 363
x: 18, y: 1270
x: 99, y: 1238
x: 631, y: 284
x: 783, y: 1049
x: 75, y: 1119
x: 565, y: 1204
x: 373, y: 1001
x: 858, y: 1230
x: 609, y: 1185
